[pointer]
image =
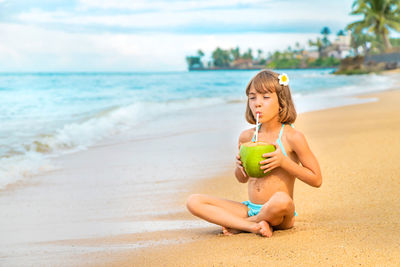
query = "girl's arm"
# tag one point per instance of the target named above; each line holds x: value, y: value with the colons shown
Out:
x: 240, y: 173
x: 309, y: 170
x: 240, y: 176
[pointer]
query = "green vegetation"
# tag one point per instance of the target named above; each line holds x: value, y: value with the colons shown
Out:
x: 371, y: 34
x: 228, y: 59
x: 299, y: 58
x: 379, y: 17
x: 221, y: 58
x: 366, y: 37
x: 195, y: 61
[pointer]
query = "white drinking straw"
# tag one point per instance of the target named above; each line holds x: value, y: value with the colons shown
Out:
x: 258, y: 114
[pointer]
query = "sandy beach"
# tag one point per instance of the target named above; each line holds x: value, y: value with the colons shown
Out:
x: 122, y: 201
x: 353, y: 219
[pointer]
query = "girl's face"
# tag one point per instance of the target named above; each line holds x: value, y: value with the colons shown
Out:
x: 266, y: 104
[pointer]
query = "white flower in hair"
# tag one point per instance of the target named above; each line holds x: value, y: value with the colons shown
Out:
x: 283, y: 79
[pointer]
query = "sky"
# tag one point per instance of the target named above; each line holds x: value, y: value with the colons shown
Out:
x: 147, y: 35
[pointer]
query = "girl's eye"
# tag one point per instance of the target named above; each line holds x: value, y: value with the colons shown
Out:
x: 266, y: 96
x: 252, y: 98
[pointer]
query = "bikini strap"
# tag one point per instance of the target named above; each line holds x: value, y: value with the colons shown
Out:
x: 281, y: 132
x: 279, y: 141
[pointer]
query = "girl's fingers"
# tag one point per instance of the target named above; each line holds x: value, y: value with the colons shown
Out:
x: 244, y: 173
x: 269, y: 169
x: 269, y: 160
x: 272, y: 165
x: 268, y: 155
x: 242, y: 170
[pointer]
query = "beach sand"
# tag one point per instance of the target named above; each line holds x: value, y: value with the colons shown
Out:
x: 103, y: 207
x: 352, y: 220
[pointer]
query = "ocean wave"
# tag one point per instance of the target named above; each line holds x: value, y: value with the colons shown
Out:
x: 317, y: 73
x: 35, y: 157
x: 15, y: 168
x: 366, y: 84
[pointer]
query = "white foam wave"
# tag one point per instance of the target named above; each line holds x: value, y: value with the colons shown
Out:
x: 368, y: 84
x: 13, y: 169
x: 80, y: 135
x: 317, y: 74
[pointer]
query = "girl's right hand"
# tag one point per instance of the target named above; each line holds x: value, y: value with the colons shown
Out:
x: 240, y: 165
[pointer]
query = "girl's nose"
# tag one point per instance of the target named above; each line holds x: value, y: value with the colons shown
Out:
x: 258, y: 102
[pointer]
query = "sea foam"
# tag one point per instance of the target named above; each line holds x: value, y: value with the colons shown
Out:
x: 35, y: 157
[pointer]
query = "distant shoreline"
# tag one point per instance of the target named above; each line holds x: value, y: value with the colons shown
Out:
x: 256, y: 68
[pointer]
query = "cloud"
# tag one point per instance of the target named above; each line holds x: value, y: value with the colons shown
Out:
x: 102, y: 35
x: 168, y: 5
x: 192, y: 21
x: 30, y: 48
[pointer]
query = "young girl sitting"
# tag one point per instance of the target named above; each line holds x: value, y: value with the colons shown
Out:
x: 270, y: 205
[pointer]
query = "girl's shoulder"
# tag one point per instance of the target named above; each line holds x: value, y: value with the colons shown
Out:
x: 294, y: 137
x: 246, y: 135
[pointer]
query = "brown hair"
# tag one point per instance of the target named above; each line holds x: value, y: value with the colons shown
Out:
x: 266, y: 81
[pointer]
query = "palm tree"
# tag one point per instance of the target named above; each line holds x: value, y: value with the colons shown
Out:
x: 325, y: 32
x: 379, y: 16
x: 221, y: 58
x: 357, y: 40
x: 248, y: 54
x: 200, y: 53
x: 235, y: 53
x: 317, y: 44
x: 259, y: 54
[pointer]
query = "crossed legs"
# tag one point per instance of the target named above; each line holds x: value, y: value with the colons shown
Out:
x: 278, y: 211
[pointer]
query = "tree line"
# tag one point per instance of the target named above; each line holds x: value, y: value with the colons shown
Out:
x: 370, y: 35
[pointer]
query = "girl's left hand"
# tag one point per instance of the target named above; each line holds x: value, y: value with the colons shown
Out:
x: 274, y: 159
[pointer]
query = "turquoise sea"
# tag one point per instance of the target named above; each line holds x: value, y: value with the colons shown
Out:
x: 45, y: 115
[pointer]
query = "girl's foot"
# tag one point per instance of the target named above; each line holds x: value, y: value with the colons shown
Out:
x: 265, y: 229
x: 230, y: 231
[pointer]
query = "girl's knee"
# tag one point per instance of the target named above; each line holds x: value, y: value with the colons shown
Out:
x: 282, y: 202
x: 194, y: 201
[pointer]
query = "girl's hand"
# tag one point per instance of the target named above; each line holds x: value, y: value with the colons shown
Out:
x: 240, y: 165
x: 274, y: 159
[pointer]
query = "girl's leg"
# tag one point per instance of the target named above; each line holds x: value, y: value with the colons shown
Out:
x: 278, y: 211
x: 227, y: 213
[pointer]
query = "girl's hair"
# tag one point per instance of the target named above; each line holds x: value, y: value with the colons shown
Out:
x: 267, y: 81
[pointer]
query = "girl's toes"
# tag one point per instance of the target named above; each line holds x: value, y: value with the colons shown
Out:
x: 266, y: 229
x: 225, y: 231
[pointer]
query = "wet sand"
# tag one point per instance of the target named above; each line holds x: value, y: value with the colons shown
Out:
x: 353, y: 219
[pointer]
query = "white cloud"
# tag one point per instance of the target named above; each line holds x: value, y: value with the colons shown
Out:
x: 161, y: 20
x: 30, y: 48
x: 148, y: 35
x: 165, y: 5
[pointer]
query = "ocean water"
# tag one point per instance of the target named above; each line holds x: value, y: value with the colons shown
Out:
x: 46, y: 115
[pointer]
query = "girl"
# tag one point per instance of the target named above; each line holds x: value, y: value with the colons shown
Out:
x: 270, y: 205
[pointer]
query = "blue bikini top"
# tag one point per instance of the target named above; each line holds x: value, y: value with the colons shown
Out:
x: 279, y: 141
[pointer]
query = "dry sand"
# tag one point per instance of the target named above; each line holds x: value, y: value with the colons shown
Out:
x: 352, y: 220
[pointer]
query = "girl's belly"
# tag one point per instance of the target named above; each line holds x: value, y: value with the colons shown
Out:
x: 261, y: 189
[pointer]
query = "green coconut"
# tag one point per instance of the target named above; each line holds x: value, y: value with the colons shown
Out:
x: 251, y: 156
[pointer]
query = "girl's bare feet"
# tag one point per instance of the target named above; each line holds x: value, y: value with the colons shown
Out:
x: 266, y: 229
x: 263, y: 228
x: 230, y: 231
